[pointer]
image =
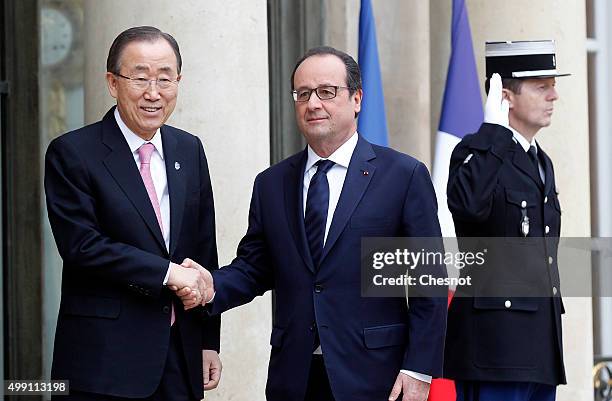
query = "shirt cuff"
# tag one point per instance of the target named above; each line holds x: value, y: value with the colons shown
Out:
x: 167, y: 274
x: 419, y: 376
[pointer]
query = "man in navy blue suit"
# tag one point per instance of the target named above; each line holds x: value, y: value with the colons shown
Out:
x: 307, y: 217
x: 130, y: 198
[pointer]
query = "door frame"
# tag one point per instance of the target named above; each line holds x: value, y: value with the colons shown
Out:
x: 21, y: 192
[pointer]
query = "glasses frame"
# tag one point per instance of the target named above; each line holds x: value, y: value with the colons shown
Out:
x: 294, y: 93
x: 135, y: 82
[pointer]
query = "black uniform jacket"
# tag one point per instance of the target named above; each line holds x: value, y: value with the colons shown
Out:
x: 506, y: 326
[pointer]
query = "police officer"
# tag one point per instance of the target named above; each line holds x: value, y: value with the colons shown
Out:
x: 504, y: 332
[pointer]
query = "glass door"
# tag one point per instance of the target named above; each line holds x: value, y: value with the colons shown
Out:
x: 61, y: 97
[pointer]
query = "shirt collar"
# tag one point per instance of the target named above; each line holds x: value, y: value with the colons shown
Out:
x: 520, y: 139
x: 134, y: 141
x: 342, y: 155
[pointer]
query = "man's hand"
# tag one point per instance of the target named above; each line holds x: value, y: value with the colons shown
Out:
x: 411, y: 389
x: 185, y: 294
x: 212, y: 369
x: 191, y: 281
x: 496, y: 106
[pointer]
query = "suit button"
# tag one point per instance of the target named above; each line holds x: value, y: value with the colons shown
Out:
x: 318, y: 288
x: 550, y: 260
x: 313, y: 327
x: 554, y: 290
x: 166, y: 309
x: 546, y: 199
x: 524, y: 204
x: 507, y: 304
x: 546, y: 229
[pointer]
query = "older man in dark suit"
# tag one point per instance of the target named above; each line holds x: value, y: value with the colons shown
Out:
x: 128, y: 198
x: 307, y: 218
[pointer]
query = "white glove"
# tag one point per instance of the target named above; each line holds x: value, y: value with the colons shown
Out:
x: 496, y: 108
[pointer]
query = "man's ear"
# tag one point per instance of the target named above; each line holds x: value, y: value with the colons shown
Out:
x: 358, y: 98
x: 508, y: 95
x: 112, y: 82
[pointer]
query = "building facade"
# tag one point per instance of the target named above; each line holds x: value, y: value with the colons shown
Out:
x: 235, y: 95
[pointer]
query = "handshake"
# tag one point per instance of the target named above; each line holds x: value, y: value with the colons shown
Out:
x: 192, y: 283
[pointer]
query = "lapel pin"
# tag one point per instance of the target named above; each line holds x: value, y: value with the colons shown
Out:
x: 177, y: 165
x: 365, y: 172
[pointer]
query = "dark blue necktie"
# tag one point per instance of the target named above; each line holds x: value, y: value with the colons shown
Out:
x: 317, y: 203
x: 533, y: 155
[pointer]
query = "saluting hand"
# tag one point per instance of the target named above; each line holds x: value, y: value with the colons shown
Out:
x: 496, y: 106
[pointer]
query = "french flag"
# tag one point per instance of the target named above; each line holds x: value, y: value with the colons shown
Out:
x: 461, y: 108
x: 372, y: 123
x: 461, y: 114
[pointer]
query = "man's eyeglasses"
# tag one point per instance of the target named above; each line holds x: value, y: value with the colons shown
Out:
x: 143, y: 83
x: 323, y: 93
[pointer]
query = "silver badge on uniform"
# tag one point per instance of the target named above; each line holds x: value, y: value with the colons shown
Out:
x: 525, y: 225
x: 177, y: 165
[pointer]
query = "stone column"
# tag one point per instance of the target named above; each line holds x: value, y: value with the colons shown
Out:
x: 223, y: 98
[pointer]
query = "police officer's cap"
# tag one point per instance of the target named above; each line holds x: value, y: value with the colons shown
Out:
x: 522, y: 59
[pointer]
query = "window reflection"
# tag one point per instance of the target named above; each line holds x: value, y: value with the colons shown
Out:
x: 61, y: 82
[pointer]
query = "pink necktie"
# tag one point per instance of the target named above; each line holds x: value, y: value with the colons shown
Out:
x: 144, y: 153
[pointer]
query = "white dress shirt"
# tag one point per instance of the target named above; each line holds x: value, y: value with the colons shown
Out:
x: 335, y: 177
x: 158, y: 173
x: 521, y: 140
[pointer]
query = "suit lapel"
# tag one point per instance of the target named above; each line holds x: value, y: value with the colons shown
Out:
x: 294, y: 205
x: 358, y: 177
x: 120, y: 164
x: 175, y: 173
x: 522, y: 161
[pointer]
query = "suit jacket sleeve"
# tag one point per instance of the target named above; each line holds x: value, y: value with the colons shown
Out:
x: 427, y: 305
x: 250, y: 273
x: 207, y: 247
x: 473, y: 172
x: 71, y: 205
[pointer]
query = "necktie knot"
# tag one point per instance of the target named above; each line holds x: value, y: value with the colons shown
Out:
x: 145, y: 152
x: 324, y: 165
x: 533, y: 153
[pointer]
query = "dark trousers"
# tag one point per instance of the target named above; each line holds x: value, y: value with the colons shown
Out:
x: 174, y: 385
x: 504, y: 391
x: 318, y: 388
